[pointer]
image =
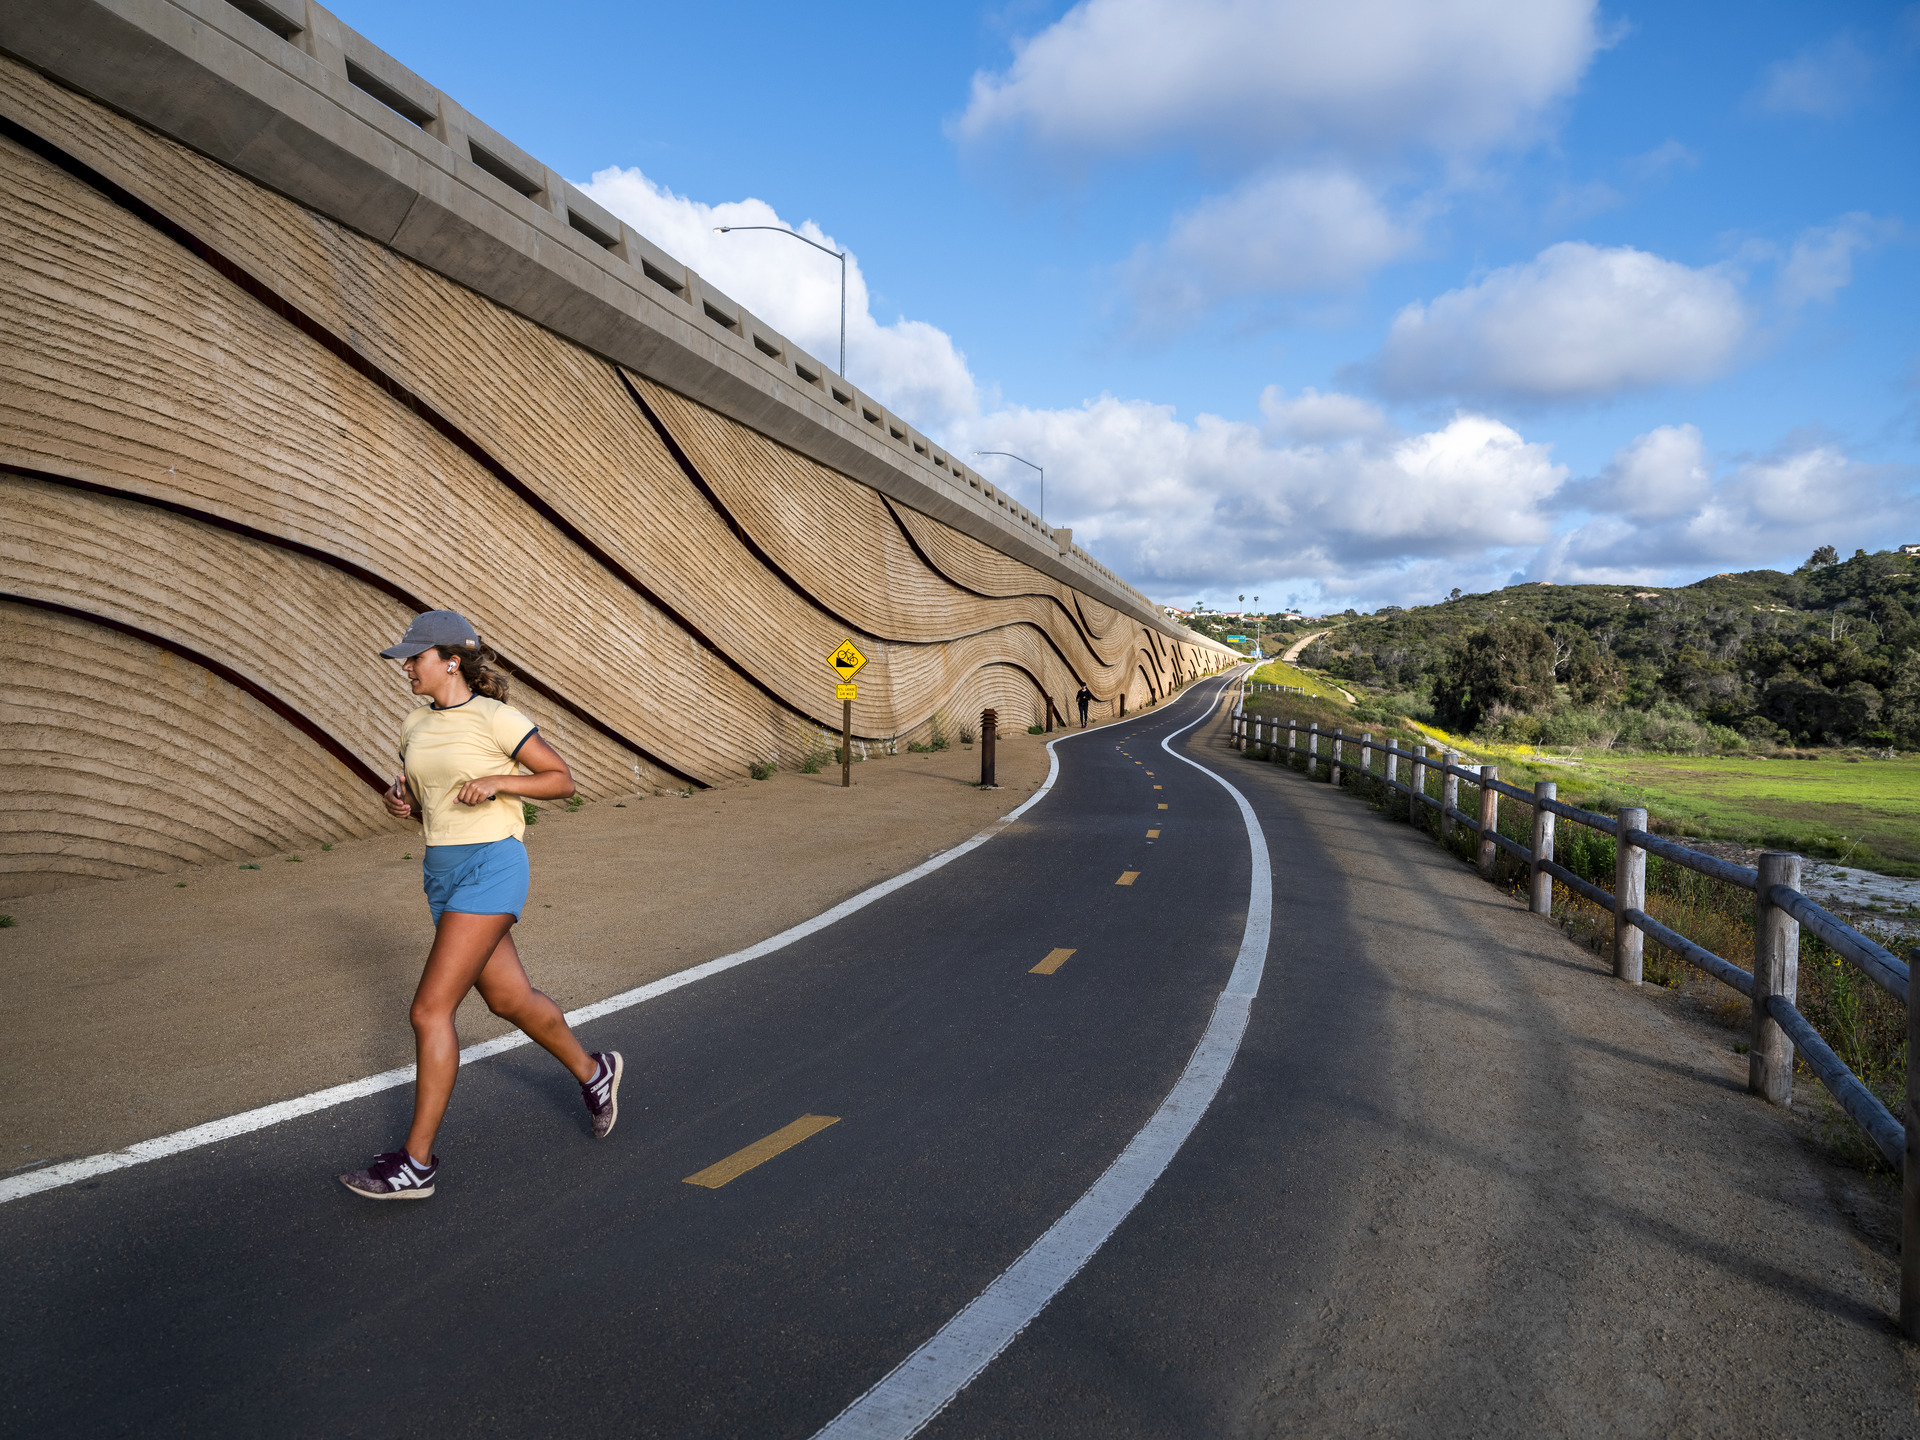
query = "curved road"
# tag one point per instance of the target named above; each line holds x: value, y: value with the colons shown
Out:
x: 1454, y: 1181
x: 553, y: 1282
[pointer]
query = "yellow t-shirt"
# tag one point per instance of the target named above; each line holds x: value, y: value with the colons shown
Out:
x: 443, y: 749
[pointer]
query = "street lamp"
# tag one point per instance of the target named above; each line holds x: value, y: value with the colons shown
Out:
x: 1031, y: 466
x: 839, y: 255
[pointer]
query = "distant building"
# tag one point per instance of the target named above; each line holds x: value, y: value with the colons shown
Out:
x: 1910, y: 549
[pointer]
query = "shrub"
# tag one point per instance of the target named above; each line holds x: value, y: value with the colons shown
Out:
x: 1036, y: 729
x: 966, y: 734
x: 529, y: 812
x: 761, y: 769
x: 811, y: 765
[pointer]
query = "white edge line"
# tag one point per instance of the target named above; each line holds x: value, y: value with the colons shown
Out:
x: 916, y: 1390
x: 70, y: 1172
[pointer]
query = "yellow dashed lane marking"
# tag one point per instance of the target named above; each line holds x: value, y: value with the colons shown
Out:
x: 761, y: 1151
x: 1128, y: 877
x: 1156, y: 787
x: 1153, y: 834
x: 1163, y: 807
x: 1055, y: 959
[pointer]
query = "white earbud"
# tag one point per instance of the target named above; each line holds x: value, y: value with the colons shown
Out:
x: 453, y: 667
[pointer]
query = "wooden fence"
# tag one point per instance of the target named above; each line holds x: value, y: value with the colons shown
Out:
x: 1780, y: 910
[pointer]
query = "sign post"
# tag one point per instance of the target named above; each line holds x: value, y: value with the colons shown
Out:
x: 846, y: 661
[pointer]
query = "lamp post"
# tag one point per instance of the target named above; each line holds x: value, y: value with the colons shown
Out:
x: 839, y: 255
x: 1031, y: 466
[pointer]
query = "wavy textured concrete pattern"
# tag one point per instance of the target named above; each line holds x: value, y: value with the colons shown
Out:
x: 239, y: 430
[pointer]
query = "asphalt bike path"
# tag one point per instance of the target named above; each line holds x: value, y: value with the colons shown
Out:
x: 557, y: 1281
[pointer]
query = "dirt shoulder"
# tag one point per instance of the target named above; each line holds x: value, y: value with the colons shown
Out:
x: 130, y: 1009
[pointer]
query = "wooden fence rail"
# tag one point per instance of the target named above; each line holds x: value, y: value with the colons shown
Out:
x: 1778, y: 1028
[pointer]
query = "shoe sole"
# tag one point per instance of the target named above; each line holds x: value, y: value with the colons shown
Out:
x: 417, y: 1194
x: 613, y: 1095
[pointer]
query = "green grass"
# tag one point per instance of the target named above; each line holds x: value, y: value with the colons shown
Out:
x: 1278, y: 672
x: 1838, y: 804
x: 1833, y: 806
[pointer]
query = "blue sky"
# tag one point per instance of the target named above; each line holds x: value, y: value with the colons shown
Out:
x: 1344, y: 304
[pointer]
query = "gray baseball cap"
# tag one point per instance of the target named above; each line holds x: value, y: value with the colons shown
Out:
x: 436, y: 627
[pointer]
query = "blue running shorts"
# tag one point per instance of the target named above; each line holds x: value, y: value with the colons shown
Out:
x: 486, y: 879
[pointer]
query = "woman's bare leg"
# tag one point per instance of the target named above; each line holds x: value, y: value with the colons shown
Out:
x: 462, y: 946
x: 470, y: 950
x: 511, y: 996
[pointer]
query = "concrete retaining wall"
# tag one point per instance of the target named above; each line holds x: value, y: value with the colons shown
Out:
x: 242, y: 441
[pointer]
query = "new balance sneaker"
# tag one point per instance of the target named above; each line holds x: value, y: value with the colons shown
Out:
x: 394, y: 1176
x: 602, y: 1092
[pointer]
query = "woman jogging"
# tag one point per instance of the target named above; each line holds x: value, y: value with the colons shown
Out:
x: 461, y: 757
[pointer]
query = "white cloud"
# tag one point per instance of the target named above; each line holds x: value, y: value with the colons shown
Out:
x: 909, y: 365
x: 1117, y: 76
x: 1824, y: 81
x: 1766, y: 511
x: 1576, y: 322
x: 1325, y: 496
x: 1315, y: 109
x: 1312, y: 418
x: 1820, y: 264
x: 1186, y: 507
x: 1288, y: 233
x: 1661, y: 474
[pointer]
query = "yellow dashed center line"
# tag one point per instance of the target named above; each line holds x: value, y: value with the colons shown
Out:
x: 1163, y: 807
x: 1055, y: 959
x: 1156, y: 787
x: 1128, y: 877
x: 761, y: 1151
x: 1153, y: 834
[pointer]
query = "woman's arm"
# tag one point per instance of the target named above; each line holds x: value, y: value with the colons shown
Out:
x: 550, y: 780
x: 398, y: 798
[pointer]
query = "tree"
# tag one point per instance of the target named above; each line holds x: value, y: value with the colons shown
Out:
x: 1454, y: 594
x: 1508, y: 666
x: 1593, y: 676
x: 1824, y: 556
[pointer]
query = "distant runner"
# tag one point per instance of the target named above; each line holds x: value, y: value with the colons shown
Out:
x: 461, y: 756
x: 1085, y: 697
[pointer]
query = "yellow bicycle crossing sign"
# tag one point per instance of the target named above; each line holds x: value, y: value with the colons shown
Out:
x: 846, y: 660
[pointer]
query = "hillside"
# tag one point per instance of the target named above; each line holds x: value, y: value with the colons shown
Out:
x: 1827, y: 655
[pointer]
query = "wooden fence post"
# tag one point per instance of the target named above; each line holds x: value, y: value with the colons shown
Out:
x: 1776, y: 971
x: 1449, y: 793
x: 1541, y: 890
x: 1417, y: 801
x: 1629, y: 893
x: 1489, y: 817
x: 1293, y: 740
x: 1366, y: 754
x: 1393, y: 767
x: 1910, y: 1181
x: 1313, y: 748
x: 1338, y: 736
